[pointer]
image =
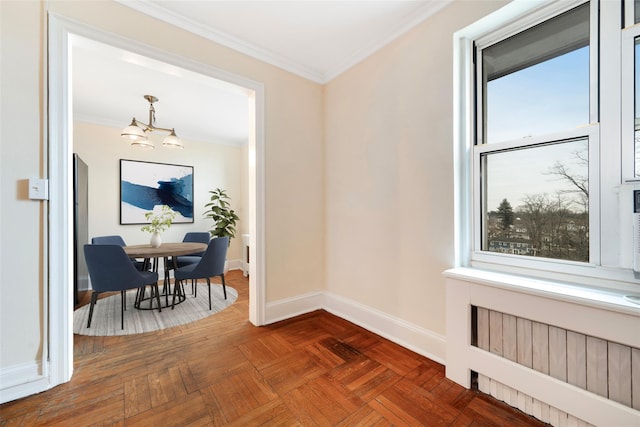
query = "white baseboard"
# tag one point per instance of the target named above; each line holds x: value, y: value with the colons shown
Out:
x: 21, y: 380
x: 292, y: 307
x: 408, y: 335
x: 234, y: 264
x: 83, y: 283
x: 401, y: 332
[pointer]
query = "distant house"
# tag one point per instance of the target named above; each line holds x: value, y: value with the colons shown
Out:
x: 510, y: 245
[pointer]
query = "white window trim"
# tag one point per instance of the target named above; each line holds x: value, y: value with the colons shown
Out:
x: 628, y: 102
x: 482, y: 257
x: 536, y: 16
x: 629, y: 12
x: 608, y: 268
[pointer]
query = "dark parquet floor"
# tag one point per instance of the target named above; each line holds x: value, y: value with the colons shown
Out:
x: 313, y: 370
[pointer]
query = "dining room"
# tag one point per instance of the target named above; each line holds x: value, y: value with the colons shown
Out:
x: 209, y: 116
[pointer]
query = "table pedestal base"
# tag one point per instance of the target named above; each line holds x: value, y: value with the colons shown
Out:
x: 177, y: 296
x: 166, y: 298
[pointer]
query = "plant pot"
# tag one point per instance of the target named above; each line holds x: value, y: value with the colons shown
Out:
x: 156, y: 240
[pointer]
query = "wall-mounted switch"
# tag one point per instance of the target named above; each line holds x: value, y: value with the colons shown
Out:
x: 39, y: 189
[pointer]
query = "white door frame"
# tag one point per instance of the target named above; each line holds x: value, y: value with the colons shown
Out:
x: 58, y: 336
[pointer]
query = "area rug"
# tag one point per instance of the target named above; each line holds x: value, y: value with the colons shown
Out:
x: 106, y: 312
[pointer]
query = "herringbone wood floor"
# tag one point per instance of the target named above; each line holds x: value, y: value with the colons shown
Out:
x: 316, y: 369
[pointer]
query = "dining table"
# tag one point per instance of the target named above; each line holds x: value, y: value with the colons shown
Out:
x: 168, y: 253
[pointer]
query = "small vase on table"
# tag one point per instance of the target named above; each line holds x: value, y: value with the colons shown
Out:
x: 156, y: 240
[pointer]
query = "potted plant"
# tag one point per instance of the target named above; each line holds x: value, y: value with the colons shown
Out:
x: 159, y: 223
x: 224, y: 218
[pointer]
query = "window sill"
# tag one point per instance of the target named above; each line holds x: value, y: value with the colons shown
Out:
x: 608, y: 299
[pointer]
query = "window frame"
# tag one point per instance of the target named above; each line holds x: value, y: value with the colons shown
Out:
x: 629, y: 12
x: 481, y: 257
x: 524, y: 24
x: 629, y: 36
x: 609, y: 265
x: 590, y: 131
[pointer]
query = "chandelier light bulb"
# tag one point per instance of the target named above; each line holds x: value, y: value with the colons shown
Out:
x: 136, y: 132
x: 133, y: 132
x: 172, y: 141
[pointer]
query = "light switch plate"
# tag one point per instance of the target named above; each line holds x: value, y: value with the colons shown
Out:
x: 38, y: 189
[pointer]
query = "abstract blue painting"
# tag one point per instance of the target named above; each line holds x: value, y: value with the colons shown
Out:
x: 146, y: 186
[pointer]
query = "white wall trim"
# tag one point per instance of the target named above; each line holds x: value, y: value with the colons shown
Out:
x: 234, y: 264
x: 224, y: 39
x: 415, y: 338
x: 294, y: 306
x: 425, y: 11
x: 59, y: 307
x: 22, y: 380
x: 274, y: 58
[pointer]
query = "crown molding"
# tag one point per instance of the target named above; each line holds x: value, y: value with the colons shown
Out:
x: 156, y: 11
x: 414, y: 19
x: 273, y: 58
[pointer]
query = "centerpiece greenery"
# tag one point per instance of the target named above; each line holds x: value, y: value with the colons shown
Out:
x: 224, y: 218
x: 159, y: 223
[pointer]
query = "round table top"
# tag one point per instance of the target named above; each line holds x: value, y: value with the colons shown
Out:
x: 165, y: 249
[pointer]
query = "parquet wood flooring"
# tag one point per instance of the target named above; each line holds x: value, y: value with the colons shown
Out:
x: 313, y: 370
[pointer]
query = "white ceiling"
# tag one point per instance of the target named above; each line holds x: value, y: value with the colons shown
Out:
x: 109, y: 85
x: 316, y: 39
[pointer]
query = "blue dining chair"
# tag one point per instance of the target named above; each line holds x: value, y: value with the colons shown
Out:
x: 184, y: 260
x: 108, y: 240
x: 211, y: 265
x: 111, y: 270
x: 116, y: 240
x: 198, y: 237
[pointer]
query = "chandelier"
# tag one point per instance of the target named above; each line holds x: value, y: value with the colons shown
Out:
x: 137, y: 130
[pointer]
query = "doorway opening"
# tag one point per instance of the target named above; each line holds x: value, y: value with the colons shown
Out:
x: 64, y: 37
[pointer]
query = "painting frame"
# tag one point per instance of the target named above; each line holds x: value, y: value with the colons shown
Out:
x: 147, y: 186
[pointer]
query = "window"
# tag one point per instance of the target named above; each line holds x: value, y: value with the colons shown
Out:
x: 544, y: 190
x: 537, y: 81
x: 547, y: 97
x: 636, y: 115
x: 631, y: 95
x: 534, y: 94
x: 541, y: 113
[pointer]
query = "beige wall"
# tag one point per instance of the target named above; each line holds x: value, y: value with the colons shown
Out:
x: 389, y: 172
x: 214, y: 165
x: 22, y: 156
x: 359, y: 173
x: 293, y: 140
x: 293, y: 167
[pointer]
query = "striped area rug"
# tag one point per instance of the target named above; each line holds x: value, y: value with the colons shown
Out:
x: 106, y: 312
